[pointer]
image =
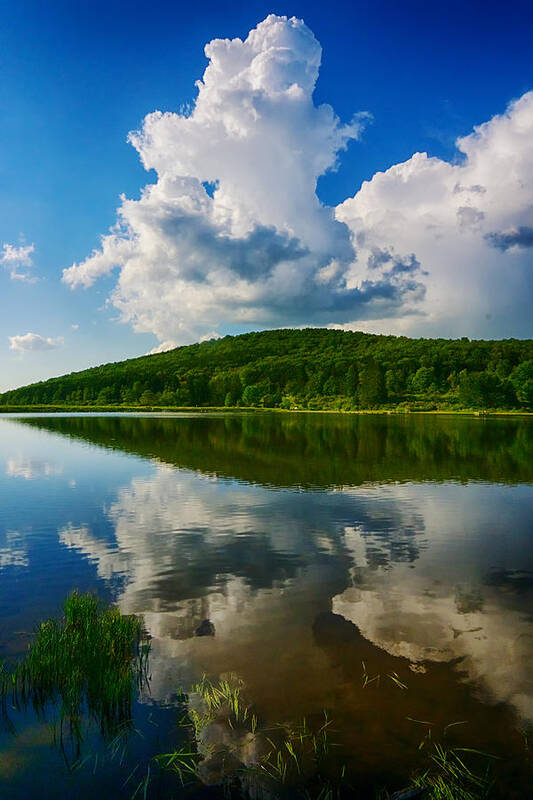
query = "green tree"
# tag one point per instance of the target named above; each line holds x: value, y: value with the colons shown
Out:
x: 393, y: 383
x: 148, y: 398
x: 330, y: 386
x: 522, y: 383
x: 316, y: 368
x: 350, y: 384
x: 105, y: 396
x: 168, y: 397
x: 423, y: 379
x: 480, y: 389
x: 198, y: 386
x: 129, y: 396
x: 371, y: 385
x: 251, y: 395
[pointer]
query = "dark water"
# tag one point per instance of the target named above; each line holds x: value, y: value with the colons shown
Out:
x: 312, y: 543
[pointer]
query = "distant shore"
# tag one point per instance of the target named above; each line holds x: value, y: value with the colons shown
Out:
x: 115, y: 409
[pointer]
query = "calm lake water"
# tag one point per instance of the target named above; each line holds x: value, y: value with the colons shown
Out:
x: 312, y: 543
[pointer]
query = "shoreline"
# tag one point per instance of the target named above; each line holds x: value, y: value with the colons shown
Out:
x: 66, y: 409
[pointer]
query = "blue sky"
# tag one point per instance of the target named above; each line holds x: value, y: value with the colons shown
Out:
x: 77, y: 77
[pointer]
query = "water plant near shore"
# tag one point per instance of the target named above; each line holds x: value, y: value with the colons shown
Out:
x: 449, y: 778
x: 231, y: 748
x: 88, y: 663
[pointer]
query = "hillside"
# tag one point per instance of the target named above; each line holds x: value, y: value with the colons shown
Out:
x: 311, y: 368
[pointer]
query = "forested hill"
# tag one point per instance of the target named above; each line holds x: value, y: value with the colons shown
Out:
x: 311, y: 368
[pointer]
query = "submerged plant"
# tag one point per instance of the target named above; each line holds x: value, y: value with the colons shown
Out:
x: 231, y: 747
x: 449, y: 778
x: 223, y: 698
x: 298, y: 761
x: 89, y: 662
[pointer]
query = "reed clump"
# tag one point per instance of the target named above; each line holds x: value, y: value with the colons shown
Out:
x: 230, y: 747
x: 448, y: 777
x: 89, y: 663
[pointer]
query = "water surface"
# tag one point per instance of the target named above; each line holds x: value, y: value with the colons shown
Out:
x: 314, y: 544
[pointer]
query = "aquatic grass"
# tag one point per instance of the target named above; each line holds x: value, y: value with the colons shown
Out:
x: 184, y: 762
x: 449, y: 778
x: 291, y: 759
x: 296, y: 760
x: 89, y: 662
x: 298, y: 755
x: 368, y: 681
x: 221, y: 701
x: 218, y: 700
x: 224, y: 695
x: 396, y: 680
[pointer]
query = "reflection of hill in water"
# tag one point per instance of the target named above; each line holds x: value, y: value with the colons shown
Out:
x: 312, y: 450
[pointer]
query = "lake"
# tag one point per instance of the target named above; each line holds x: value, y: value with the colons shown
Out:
x: 321, y: 548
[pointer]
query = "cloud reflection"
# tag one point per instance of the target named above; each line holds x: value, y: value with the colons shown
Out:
x: 451, y: 607
x: 13, y: 550
x: 407, y: 564
x: 32, y: 468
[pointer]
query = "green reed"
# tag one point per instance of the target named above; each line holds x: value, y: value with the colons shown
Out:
x: 222, y: 698
x: 89, y: 663
x: 298, y: 760
x: 448, y: 777
x: 301, y: 760
x: 291, y: 760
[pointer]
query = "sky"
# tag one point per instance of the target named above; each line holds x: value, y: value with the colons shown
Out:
x: 172, y: 172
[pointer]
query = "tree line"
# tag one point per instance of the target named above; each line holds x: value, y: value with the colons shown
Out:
x: 314, y: 368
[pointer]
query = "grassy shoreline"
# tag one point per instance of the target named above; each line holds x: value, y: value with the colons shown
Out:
x: 137, y: 409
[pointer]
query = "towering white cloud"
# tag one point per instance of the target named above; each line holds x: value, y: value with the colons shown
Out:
x: 232, y: 230
x: 469, y: 223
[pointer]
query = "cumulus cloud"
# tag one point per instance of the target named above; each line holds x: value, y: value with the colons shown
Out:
x: 468, y: 224
x: 16, y: 260
x: 33, y: 341
x: 518, y: 237
x: 232, y: 231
